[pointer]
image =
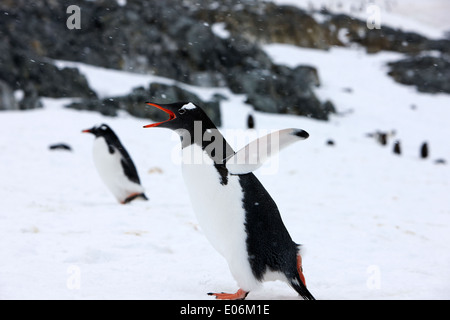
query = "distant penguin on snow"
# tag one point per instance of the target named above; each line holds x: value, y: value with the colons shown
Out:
x: 424, y: 150
x: 236, y: 213
x: 250, y: 122
x: 397, y: 148
x: 115, y: 166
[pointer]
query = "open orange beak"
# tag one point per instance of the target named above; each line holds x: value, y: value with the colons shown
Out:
x: 169, y: 112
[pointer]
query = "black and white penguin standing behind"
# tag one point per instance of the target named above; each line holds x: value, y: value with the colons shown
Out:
x: 115, y: 166
x: 234, y: 210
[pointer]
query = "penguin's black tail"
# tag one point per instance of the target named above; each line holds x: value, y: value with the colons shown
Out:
x: 297, y: 279
x: 298, y: 285
x: 143, y: 197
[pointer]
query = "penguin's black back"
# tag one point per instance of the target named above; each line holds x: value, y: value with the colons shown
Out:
x: 269, y: 244
x: 114, y: 144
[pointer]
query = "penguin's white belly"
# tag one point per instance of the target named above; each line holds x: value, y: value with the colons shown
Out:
x: 111, y: 171
x: 220, y: 213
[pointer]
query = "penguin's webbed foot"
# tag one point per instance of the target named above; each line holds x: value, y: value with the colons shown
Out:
x: 239, y: 295
x: 300, y: 269
x: 134, y: 196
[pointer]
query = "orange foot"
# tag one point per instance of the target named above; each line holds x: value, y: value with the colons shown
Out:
x: 300, y: 269
x: 239, y: 295
x: 133, y: 196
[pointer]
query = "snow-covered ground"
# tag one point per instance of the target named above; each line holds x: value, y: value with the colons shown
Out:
x: 374, y: 225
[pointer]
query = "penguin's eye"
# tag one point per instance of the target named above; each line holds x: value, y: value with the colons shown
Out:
x: 182, y: 111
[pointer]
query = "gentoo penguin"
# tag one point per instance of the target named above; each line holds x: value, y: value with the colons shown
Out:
x: 397, y: 149
x: 382, y: 138
x: 234, y: 210
x: 115, y: 166
x: 424, y: 150
x: 250, y: 122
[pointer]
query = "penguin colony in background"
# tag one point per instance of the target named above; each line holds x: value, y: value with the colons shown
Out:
x: 382, y: 138
x: 236, y: 213
x: 115, y: 166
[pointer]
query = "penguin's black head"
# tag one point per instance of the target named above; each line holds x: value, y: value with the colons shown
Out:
x: 182, y: 115
x: 194, y: 126
x: 99, y: 131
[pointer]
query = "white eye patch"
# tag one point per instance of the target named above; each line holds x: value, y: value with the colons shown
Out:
x: 188, y: 106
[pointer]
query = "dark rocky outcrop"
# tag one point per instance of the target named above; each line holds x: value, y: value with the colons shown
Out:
x: 283, y: 91
x: 134, y: 103
x: 7, y: 99
x: 22, y: 65
x: 427, y: 73
x: 31, y: 99
x: 269, y: 23
x: 19, y: 68
x: 107, y: 107
x: 175, y: 39
x: 165, y: 38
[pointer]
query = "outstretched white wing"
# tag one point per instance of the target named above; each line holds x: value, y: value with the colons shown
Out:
x: 254, y: 154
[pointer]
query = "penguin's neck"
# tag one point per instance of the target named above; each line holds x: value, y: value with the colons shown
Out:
x: 206, y: 135
x: 111, y: 140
